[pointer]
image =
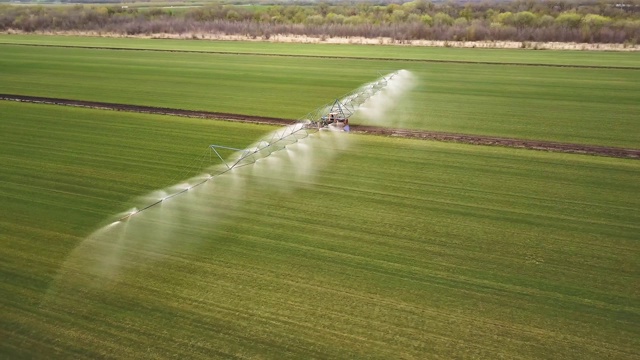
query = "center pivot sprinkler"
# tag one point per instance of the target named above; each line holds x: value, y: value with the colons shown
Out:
x: 334, y: 116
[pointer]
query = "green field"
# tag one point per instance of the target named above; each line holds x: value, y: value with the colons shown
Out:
x: 396, y: 249
x: 341, y: 246
x: 581, y: 105
x: 501, y: 56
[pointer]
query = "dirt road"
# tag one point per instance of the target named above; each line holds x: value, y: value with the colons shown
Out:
x: 406, y: 133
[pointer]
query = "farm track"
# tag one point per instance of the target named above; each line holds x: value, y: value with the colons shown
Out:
x: 373, y: 130
x: 332, y: 57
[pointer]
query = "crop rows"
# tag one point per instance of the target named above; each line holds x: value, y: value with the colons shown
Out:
x: 497, y: 56
x: 345, y: 246
x: 397, y: 248
x: 587, y: 106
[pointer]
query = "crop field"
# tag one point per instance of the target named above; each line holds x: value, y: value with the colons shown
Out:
x: 498, y: 56
x: 434, y: 249
x: 581, y: 105
x: 340, y: 246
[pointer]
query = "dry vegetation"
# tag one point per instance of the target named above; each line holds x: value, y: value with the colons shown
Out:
x: 360, y: 40
x: 520, y: 21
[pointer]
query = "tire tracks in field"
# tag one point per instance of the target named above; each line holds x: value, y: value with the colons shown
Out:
x: 467, y: 62
x: 147, y: 109
x: 608, y: 151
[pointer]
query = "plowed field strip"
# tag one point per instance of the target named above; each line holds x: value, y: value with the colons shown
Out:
x: 417, y: 134
x: 332, y: 56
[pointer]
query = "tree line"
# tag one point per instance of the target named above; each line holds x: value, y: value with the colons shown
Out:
x: 602, y: 21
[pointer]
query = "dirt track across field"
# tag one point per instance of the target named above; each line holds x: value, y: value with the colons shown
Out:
x: 406, y: 133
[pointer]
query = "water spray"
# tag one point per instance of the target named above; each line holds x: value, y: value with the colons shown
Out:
x: 321, y: 119
x: 105, y: 258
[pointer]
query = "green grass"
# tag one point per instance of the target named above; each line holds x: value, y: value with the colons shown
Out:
x: 579, y: 58
x: 397, y: 249
x: 592, y: 106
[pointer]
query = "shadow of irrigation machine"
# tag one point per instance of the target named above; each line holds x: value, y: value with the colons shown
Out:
x: 331, y: 117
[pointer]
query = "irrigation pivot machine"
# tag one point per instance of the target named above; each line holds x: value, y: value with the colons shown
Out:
x: 334, y: 116
x: 331, y: 117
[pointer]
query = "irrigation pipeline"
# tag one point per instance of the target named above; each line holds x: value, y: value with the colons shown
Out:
x: 278, y: 140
